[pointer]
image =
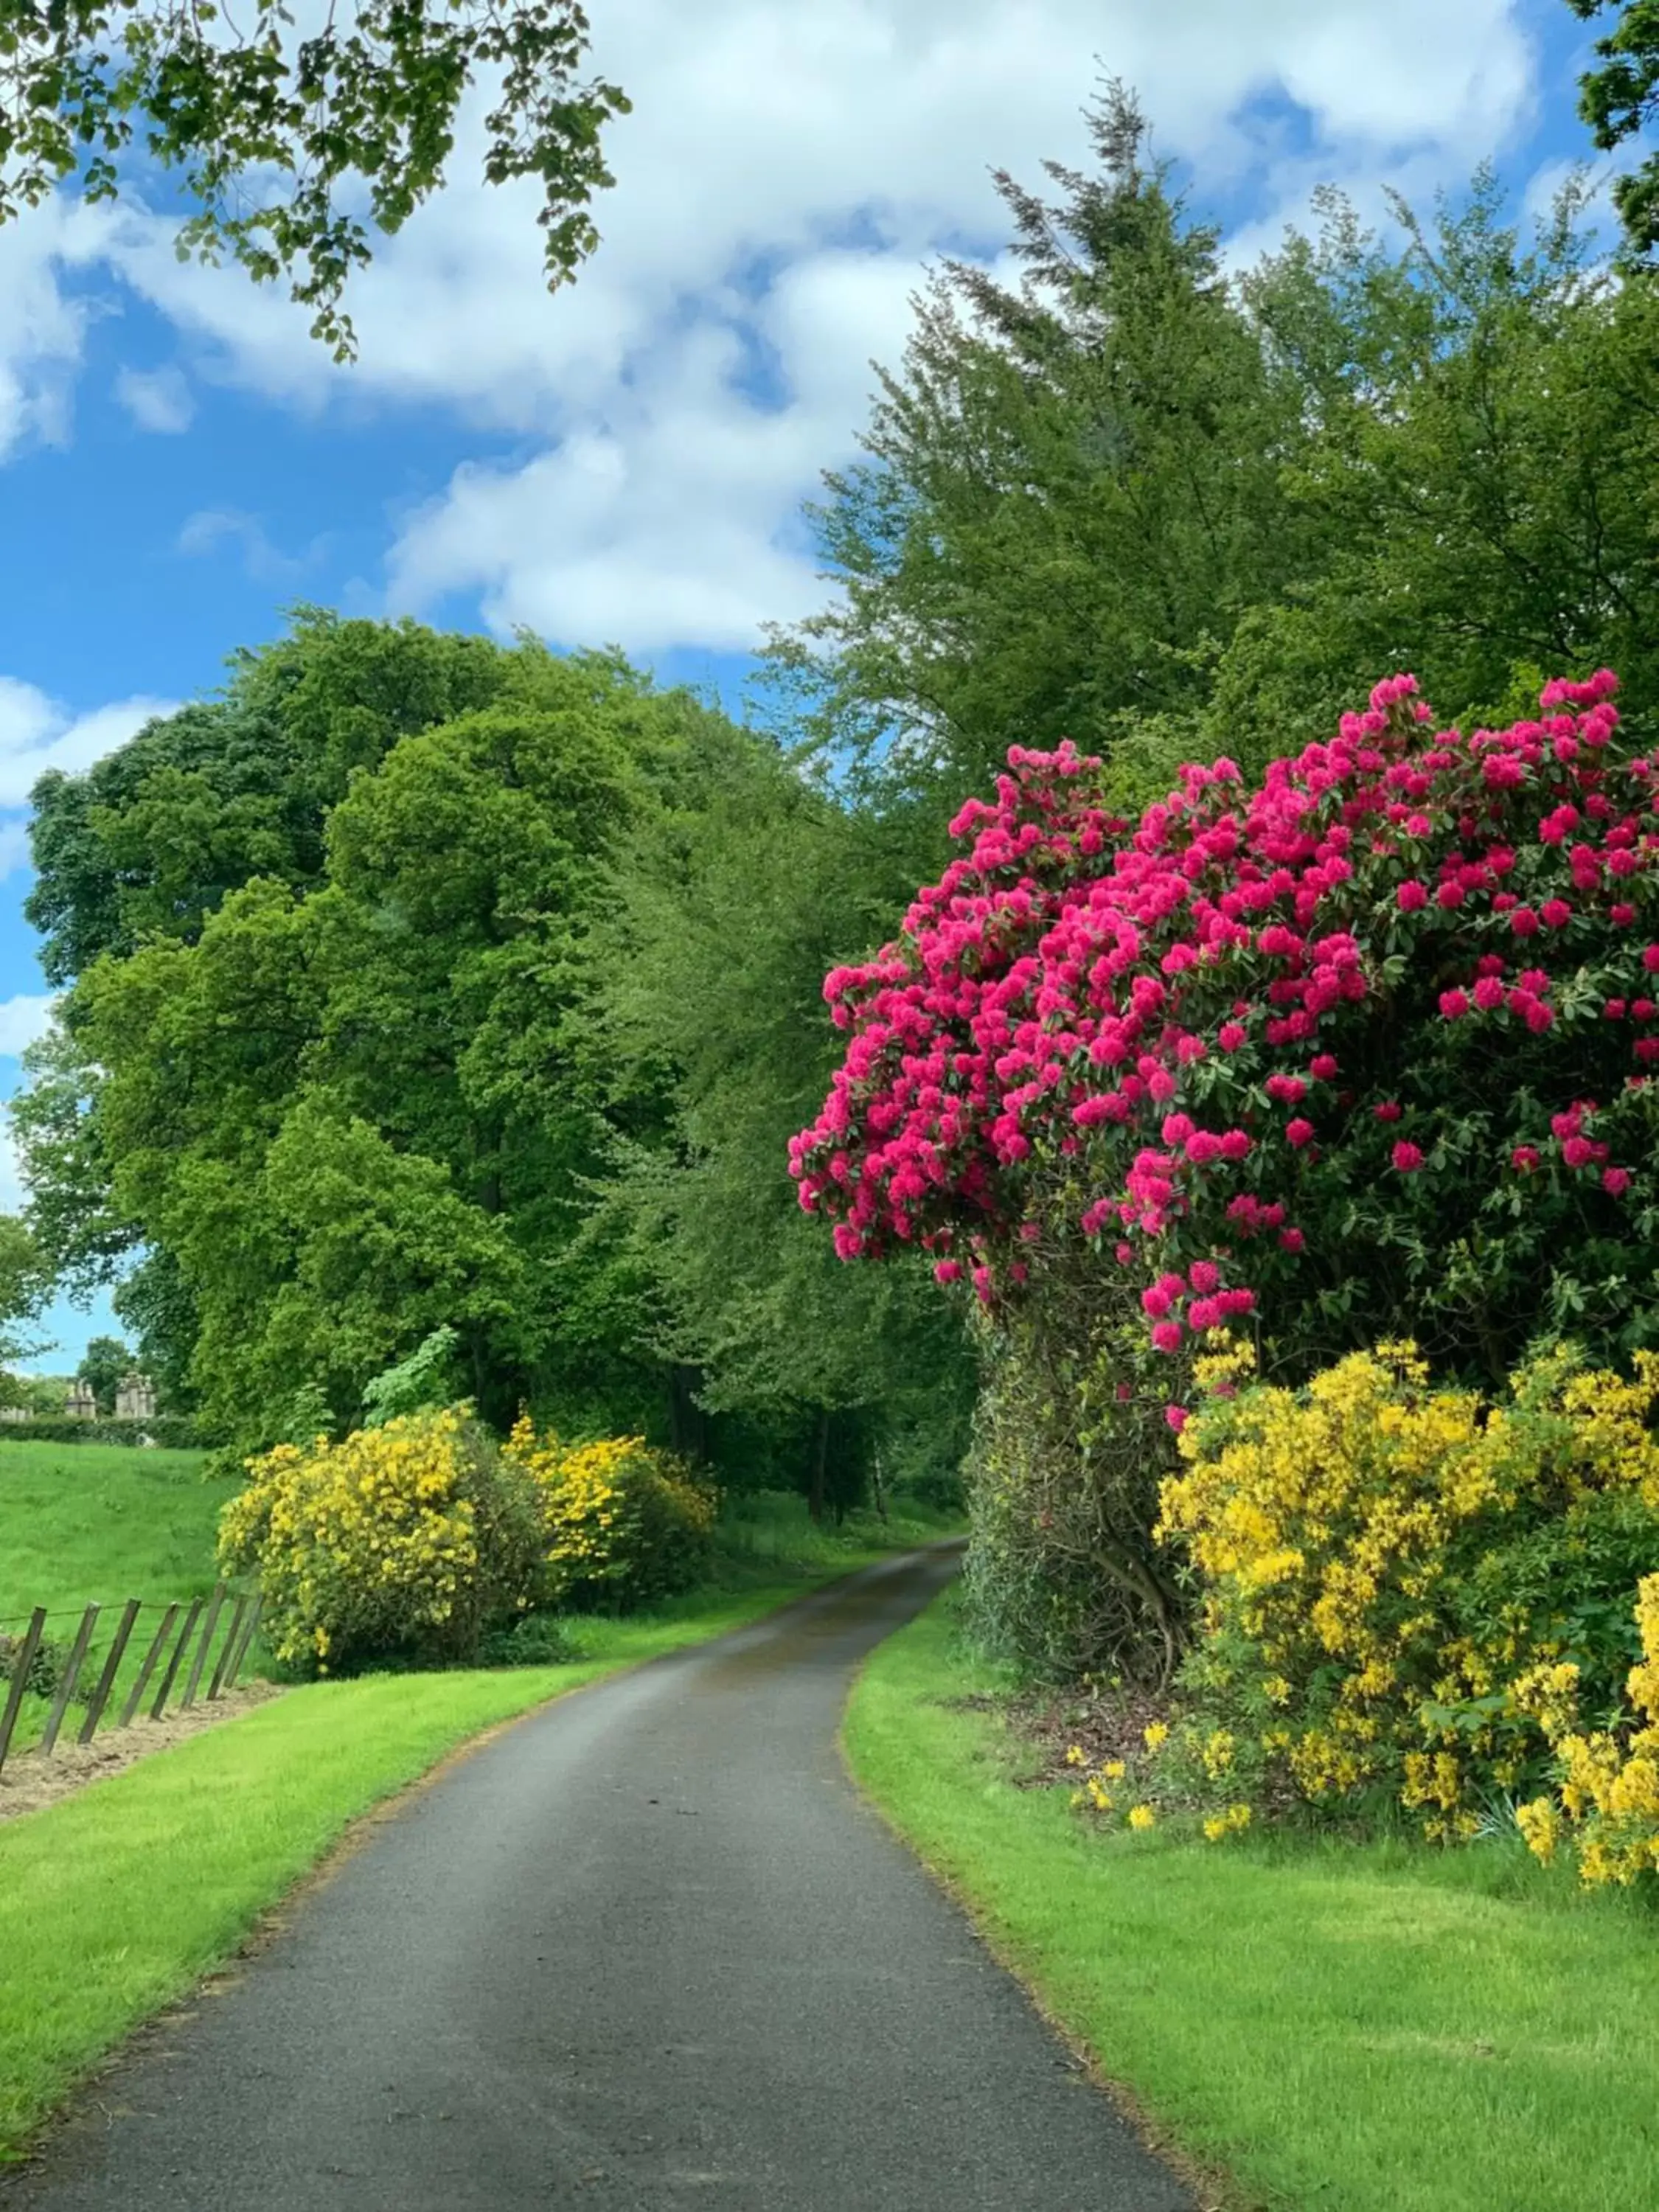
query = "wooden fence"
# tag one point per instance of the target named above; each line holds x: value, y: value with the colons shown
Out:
x: 173, y: 1658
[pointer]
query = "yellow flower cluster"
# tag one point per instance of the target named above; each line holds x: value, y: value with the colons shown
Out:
x: 373, y: 1545
x: 1331, y: 1526
x: 620, y: 1520
x: 1232, y: 1822
x: 1608, y: 1800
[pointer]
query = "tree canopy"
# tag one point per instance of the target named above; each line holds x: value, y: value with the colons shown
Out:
x: 1167, y: 516
x: 418, y: 984
x: 280, y: 130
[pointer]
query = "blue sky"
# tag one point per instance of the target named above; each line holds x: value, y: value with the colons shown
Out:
x: 625, y: 463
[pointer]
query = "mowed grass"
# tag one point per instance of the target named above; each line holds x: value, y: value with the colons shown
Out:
x: 1342, y: 2028
x: 104, y: 1521
x: 117, y: 1900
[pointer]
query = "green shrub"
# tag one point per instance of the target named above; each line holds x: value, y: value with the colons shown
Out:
x: 1062, y: 1575
x: 539, y: 1639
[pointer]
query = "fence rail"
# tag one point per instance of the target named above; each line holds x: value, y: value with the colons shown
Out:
x: 44, y: 1671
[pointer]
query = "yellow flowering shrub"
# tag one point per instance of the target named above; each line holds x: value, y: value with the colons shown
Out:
x: 622, y: 1523
x: 1398, y: 1579
x: 406, y: 1542
x: 1606, y: 1800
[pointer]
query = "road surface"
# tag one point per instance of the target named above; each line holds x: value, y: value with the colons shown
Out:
x: 646, y: 1950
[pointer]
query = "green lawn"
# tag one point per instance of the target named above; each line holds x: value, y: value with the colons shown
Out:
x: 103, y: 1521
x: 80, y: 1522
x: 116, y: 1900
x: 1340, y: 2029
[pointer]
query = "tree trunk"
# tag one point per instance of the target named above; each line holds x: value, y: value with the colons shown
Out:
x: 820, y: 1466
x: 688, y: 1425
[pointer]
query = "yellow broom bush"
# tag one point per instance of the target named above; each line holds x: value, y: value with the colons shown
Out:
x: 404, y: 1541
x: 1402, y: 1584
x: 1606, y: 1804
x: 622, y: 1523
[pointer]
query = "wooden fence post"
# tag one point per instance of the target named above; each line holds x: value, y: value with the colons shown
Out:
x: 66, y: 1687
x: 200, y: 1660
x: 248, y: 1632
x: 237, y: 1614
x: 19, y: 1675
x: 148, y: 1666
x: 166, y: 1690
x: 111, y: 1666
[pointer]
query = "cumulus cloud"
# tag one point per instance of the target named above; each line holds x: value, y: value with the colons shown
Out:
x: 22, y: 1020
x: 43, y: 322
x: 759, y: 253
x: 784, y: 177
x: 36, y: 734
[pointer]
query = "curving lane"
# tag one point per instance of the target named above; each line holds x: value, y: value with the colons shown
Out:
x: 647, y: 1949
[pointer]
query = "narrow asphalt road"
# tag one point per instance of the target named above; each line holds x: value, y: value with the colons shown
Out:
x: 647, y: 1949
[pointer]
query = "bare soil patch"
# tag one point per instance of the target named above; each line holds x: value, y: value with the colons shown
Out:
x: 28, y: 1781
x: 1104, y: 1722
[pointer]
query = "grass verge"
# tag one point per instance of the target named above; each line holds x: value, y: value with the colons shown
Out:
x: 115, y: 1901
x: 1338, y: 2027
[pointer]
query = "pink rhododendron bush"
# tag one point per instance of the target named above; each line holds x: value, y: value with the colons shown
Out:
x: 1362, y: 1052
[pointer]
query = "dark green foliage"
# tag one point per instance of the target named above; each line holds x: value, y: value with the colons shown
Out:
x: 155, y: 836
x: 538, y: 1639
x: 1619, y: 100
x: 1479, y: 485
x: 1169, y: 518
x: 174, y: 1432
x: 476, y: 998
x: 737, y: 900
x: 364, y: 106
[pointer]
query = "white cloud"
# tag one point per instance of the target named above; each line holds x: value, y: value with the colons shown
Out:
x: 212, y: 528
x: 157, y: 399
x: 658, y: 511
x: 784, y: 177
x: 13, y: 1196
x: 36, y: 734
x: 22, y: 1020
x: 42, y: 325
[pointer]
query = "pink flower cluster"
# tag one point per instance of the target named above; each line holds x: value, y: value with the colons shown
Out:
x: 1177, y: 1011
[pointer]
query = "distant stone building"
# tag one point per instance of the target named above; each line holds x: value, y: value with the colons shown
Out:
x: 15, y: 1413
x: 81, y: 1405
x: 135, y: 1398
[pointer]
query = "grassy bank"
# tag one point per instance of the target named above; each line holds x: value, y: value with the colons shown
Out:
x: 105, y: 1522
x: 118, y: 1899
x: 80, y: 1522
x: 1341, y: 2028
